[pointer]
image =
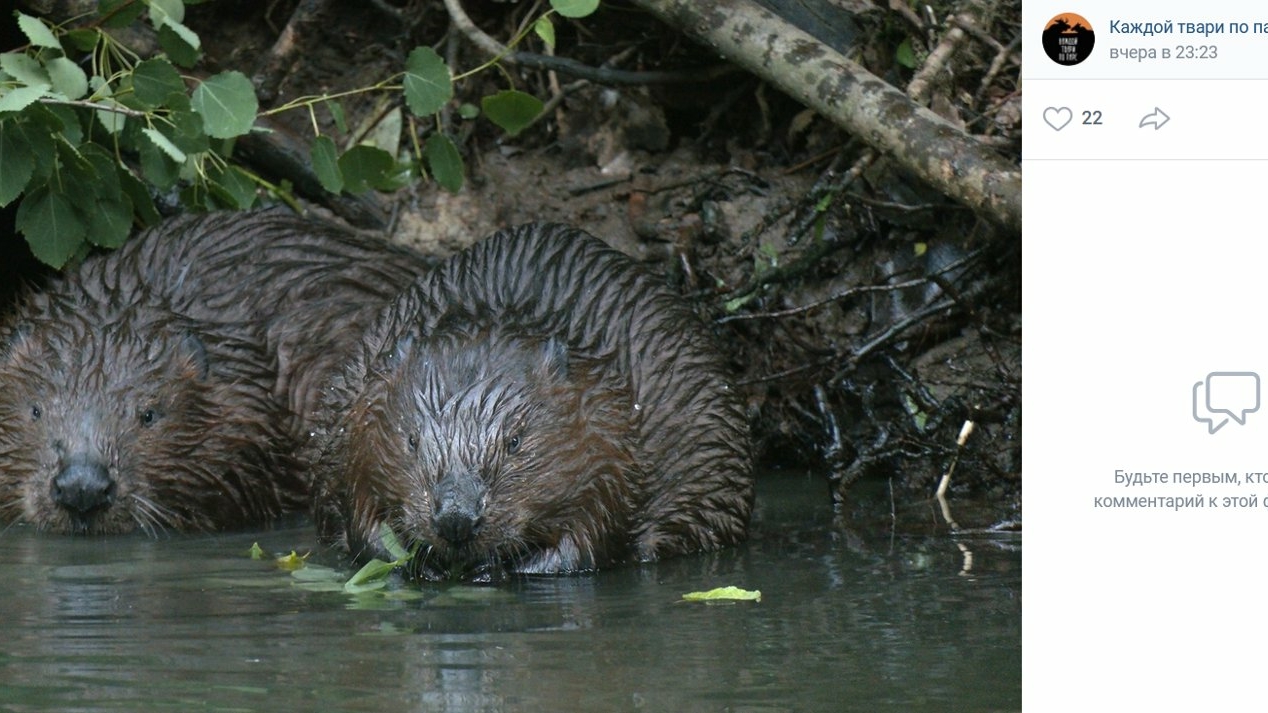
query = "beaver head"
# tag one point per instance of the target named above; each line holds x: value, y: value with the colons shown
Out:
x: 489, y: 451
x: 115, y: 419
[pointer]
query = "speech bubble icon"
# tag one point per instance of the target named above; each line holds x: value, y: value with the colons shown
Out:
x: 1235, y: 393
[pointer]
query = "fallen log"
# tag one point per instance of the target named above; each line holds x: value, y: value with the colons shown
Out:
x: 932, y: 149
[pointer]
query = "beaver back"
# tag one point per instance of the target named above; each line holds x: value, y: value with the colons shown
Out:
x: 686, y: 431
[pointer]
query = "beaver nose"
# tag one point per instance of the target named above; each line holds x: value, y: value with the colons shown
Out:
x: 84, y: 489
x: 458, y: 513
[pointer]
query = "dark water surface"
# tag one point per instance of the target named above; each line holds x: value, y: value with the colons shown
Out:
x: 852, y: 618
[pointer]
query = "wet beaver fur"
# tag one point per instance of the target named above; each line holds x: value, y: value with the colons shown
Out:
x: 166, y: 385
x: 121, y: 417
x: 540, y: 403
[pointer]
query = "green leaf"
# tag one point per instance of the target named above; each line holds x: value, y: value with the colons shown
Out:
x: 545, y: 29
x: 364, y: 167
x: 428, y: 83
x: 180, y: 44
x: 393, y: 546
x: 110, y: 222
x: 139, y: 197
x: 468, y: 110
x: 157, y: 167
x: 371, y: 576
x: 19, y: 164
x: 154, y: 79
x: 68, y: 79
x: 25, y: 69
x: 904, y: 55
x: 51, y: 226
x: 325, y: 158
x: 83, y: 40
x: 512, y: 110
x: 119, y: 13
x: 37, y: 32
x: 22, y: 97
x: 574, y: 8
x: 336, y: 113
x: 163, y: 12
x: 444, y: 161
x: 165, y: 144
x: 725, y: 593
x: 234, y: 187
x: 227, y: 104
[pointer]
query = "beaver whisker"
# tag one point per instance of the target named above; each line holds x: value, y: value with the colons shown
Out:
x: 149, y: 515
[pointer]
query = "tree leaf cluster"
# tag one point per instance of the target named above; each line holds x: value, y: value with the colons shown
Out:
x: 91, y: 133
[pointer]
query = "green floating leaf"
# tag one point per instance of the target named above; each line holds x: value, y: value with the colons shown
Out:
x: 37, y: 32
x: 445, y: 162
x: 372, y: 576
x: 19, y: 164
x: 68, y: 79
x: 545, y: 29
x: 51, y: 226
x: 22, y: 97
x: 364, y: 167
x: 325, y: 158
x: 256, y: 552
x: 428, y: 83
x: 292, y: 562
x: 512, y: 110
x: 154, y: 80
x: 724, y: 594
x: 574, y: 8
x: 227, y: 104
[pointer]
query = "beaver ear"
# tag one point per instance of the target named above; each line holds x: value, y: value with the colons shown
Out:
x: 194, y: 353
x: 553, y: 359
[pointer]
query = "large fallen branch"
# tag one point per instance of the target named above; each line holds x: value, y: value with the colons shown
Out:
x: 848, y: 95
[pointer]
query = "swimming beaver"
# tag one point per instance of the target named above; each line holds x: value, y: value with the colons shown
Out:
x: 167, y: 384
x: 540, y: 403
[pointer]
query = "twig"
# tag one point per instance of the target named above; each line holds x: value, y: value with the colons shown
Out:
x: 573, y: 68
x: 82, y: 104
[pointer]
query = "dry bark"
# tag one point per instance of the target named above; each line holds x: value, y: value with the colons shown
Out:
x: 925, y: 144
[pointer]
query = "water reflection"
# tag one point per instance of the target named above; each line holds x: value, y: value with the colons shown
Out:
x: 852, y: 617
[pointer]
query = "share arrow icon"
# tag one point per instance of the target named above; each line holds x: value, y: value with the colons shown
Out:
x: 1158, y: 117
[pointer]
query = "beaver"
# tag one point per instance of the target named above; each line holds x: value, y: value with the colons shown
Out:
x: 116, y: 417
x: 540, y: 403
x: 167, y: 385
x: 314, y: 286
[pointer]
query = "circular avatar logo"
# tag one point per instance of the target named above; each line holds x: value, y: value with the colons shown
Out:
x: 1068, y: 39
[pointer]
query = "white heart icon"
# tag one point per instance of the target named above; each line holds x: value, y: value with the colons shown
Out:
x: 1057, y: 117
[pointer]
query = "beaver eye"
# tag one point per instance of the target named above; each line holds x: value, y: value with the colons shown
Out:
x: 413, y: 442
x: 36, y: 413
x: 513, y: 443
x: 149, y: 416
